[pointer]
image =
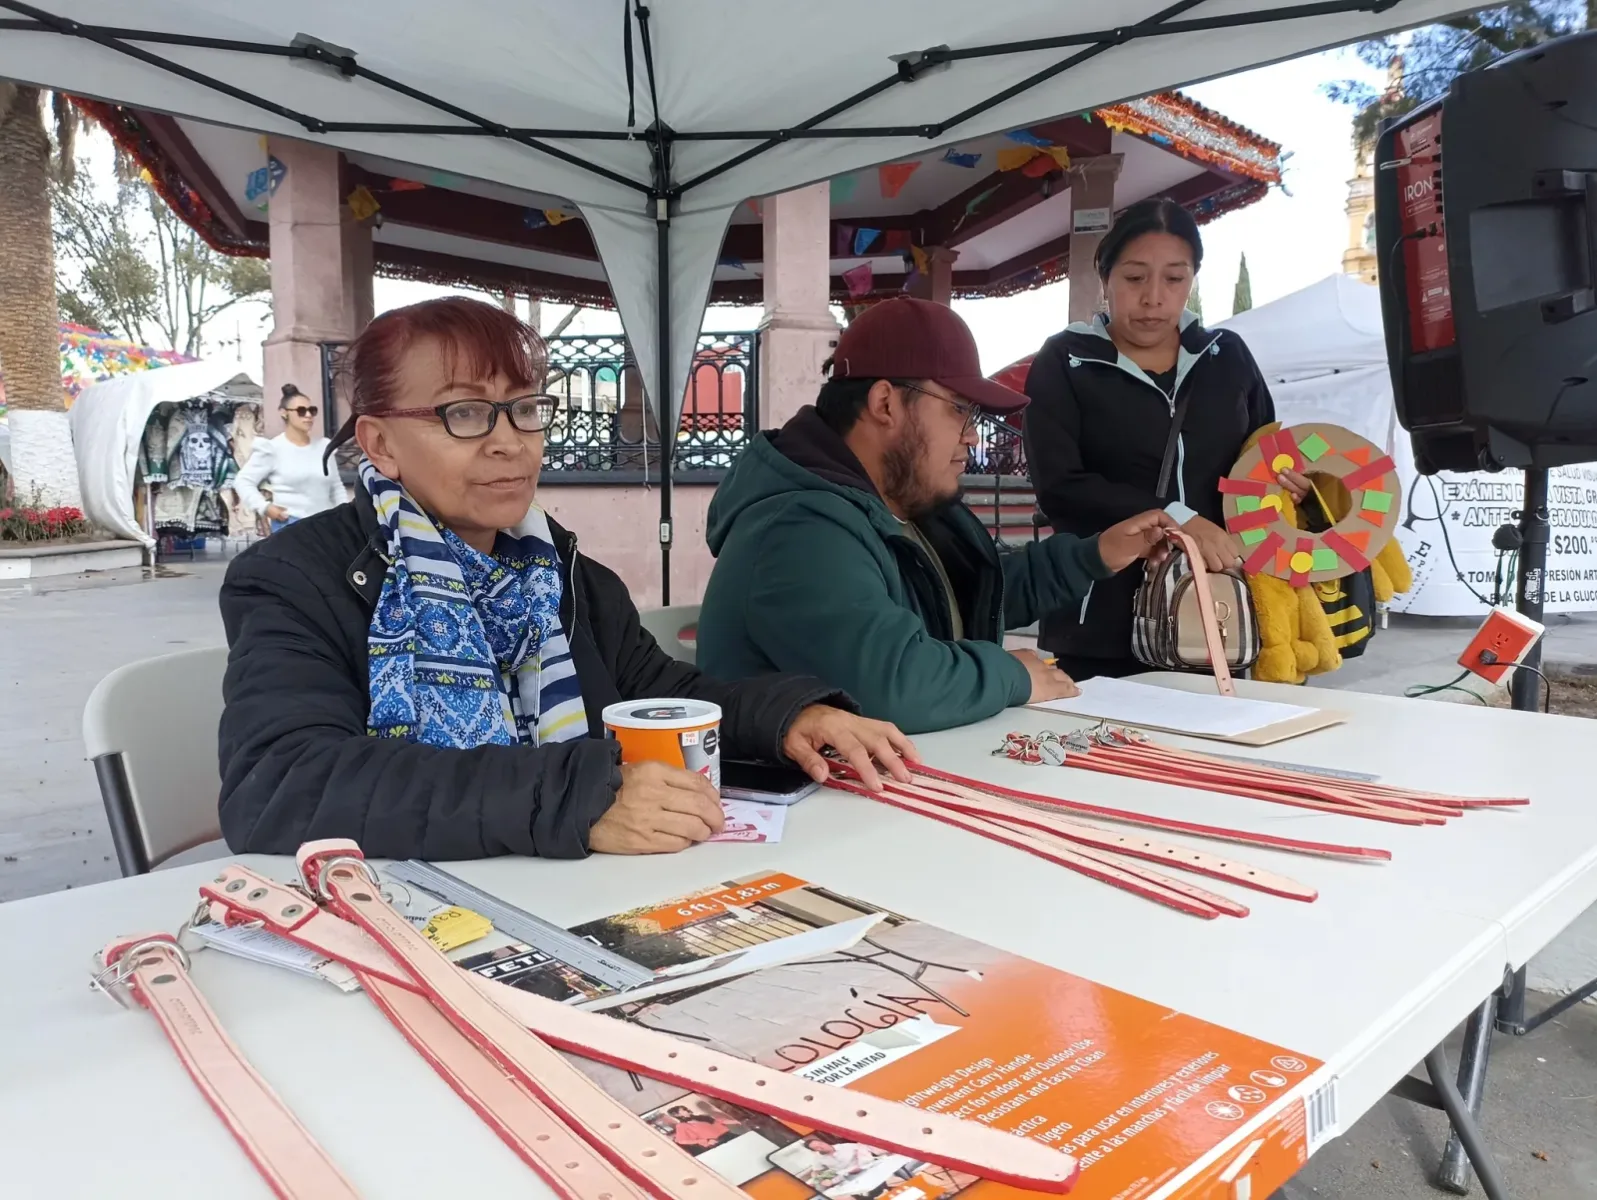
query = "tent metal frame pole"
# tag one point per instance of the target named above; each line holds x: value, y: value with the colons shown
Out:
x: 1159, y: 25
x: 1162, y: 24
x: 345, y: 64
x: 662, y: 225
x: 661, y: 191
x: 660, y: 146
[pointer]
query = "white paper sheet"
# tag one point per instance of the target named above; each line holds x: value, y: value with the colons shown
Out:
x: 747, y: 821
x: 264, y: 946
x: 1209, y: 714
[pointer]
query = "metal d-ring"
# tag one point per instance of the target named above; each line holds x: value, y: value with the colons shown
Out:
x: 112, y: 978
x: 326, y: 868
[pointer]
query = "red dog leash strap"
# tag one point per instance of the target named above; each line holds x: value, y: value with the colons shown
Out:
x: 240, y: 896
x: 1128, y: 768
x: 1172, y: 855
x: 962, y: 786
x: 335, y: 870
x: 155, y: 969
x: 567, y: 1164
x: 930, y: 1137
x: 1206, y: 613
x: 1134, y: 882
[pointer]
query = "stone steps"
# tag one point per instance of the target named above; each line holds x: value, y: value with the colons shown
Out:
x: 1005, y: 505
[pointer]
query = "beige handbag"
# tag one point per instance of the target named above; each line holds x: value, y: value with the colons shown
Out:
x: 1184, y: 617
x: 1168, y: 626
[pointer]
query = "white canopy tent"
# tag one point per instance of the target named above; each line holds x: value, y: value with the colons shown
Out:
x: 1323, y: 353
x: 656, y: 122
x: 108, y: 421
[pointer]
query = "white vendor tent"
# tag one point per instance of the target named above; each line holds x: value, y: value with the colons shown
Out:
x: 1323, y: 354
x: 108, y: 423
x: 657, y: 121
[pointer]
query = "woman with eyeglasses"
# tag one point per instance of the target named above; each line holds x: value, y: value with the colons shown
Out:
x: 291, y: 466
x: 424, y: 669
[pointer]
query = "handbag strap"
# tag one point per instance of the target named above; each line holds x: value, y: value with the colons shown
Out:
x: 1167, y: 464
x: 1206, y: 613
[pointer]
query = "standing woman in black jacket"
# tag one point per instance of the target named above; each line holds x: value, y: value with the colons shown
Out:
x: 423, y: 669
x: 1105, y: 398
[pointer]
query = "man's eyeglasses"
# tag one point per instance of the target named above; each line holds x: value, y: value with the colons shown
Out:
x: 469, y: 419
x: 969, y: 411
x: 304, y: 410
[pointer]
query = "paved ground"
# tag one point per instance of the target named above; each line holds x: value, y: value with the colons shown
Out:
x: 57, y: 641
x: 1539, y: 1116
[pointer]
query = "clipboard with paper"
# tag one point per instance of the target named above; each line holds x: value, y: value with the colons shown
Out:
x: 1224, y: 716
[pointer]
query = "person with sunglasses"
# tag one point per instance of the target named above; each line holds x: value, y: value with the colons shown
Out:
x: 290, y: 465
x: 843, y: 549
x: 425, y: 668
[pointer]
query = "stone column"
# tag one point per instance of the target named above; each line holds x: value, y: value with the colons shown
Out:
x: 358, y: 272
x: 937, y: 284
x: 798, y: 331
x: 1092, y: 210
x: 309, y: 249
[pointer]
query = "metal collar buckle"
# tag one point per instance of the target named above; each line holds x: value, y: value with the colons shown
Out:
x: 112, y: 978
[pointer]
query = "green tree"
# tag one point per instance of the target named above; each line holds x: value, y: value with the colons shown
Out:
x: 129, y: 265
x: 1242, y: 298
x: 1195, y: 302
x: 1430, y: 58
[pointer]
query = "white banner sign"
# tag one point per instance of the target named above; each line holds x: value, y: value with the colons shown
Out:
x: 1469, y: 507
x: 1462, y: 512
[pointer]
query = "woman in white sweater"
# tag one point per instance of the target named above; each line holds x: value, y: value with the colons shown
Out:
x: 290, y: 464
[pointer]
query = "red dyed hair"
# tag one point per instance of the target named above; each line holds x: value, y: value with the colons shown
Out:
x: 478, y: 340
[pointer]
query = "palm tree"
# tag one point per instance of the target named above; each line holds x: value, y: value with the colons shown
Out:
x: 30, y: 338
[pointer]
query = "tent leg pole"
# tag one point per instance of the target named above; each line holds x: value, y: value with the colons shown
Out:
x: 663, y: 393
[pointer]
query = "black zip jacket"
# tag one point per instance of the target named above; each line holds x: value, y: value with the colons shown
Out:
x: 298, y: 764
x: 1095, y: 435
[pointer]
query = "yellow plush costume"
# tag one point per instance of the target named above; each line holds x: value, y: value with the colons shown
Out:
x: 1296, y: 639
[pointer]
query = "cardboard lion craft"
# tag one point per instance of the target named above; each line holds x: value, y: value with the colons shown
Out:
x: 1315, y: 570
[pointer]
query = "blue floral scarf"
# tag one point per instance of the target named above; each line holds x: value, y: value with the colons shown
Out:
x: 466, y: 649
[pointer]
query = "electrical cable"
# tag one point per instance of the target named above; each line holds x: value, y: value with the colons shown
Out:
x: 1490, y: 659
x: 1447, y: 541
x: 1418, y: 690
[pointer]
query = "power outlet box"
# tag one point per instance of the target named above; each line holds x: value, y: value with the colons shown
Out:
x: 1504, y: 638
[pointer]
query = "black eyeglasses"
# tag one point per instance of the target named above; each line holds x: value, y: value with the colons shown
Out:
x: 304, y: 410
x: 969, y: 411
x: 469, y: 419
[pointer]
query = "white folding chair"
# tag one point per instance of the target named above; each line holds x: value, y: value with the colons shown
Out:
x: 150, y: 730
x: 676, y: 629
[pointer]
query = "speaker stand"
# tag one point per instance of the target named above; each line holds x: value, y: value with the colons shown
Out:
x: 1531, y: 587
x: 1526, y: 687
x: 1506, y: 1011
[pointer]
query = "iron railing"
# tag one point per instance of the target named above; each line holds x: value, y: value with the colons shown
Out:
x: 998, y: 461
x: 1000, y: 449
x: 605, y: 430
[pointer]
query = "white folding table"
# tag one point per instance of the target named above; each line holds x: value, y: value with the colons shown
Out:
x: 1371, y: 977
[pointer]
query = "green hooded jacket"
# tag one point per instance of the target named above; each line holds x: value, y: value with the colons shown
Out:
x: 815, y: 575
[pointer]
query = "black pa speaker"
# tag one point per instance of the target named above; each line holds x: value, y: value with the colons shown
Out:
x: 1490, y: 298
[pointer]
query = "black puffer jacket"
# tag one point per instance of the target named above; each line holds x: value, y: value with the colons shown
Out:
x: 297, y: 762
x: 1095, y: 432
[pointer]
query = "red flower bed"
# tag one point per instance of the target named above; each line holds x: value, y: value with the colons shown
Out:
x: 35, y: 524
